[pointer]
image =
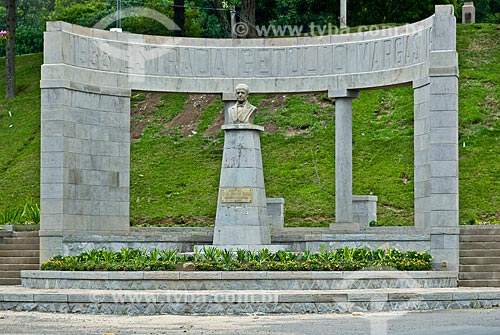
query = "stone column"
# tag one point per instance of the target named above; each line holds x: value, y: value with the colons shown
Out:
x: 242, y: 219
x: 422, y: 152
x: 343, y: 159
x: 444, y: 141
x: 85, y: 162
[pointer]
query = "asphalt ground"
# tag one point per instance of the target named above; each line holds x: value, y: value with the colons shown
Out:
x: 444, y: 322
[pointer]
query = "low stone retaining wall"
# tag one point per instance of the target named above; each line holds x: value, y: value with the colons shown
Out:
x: 184, y: 239
x: 238, y: 280
x: 243, y: 302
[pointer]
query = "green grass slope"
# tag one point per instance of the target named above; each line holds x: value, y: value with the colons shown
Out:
x: 20, y: 134
x: 175, y: 173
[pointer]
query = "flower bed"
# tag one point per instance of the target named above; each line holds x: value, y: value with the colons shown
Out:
x: 213, y: 259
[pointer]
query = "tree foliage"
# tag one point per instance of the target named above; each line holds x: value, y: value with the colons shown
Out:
x: 211, y: 18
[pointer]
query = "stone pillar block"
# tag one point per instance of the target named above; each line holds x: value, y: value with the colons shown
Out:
x: 364, y: 209
x: 468, y: 12
x: 276, y: 212
x: 85, y: 162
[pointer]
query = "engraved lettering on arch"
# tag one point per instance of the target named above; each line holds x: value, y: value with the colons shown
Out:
x: 83, y: 52
x: 311, y: 60
x: 429, y: 43
x: 363, y: 53
x: 169, y: 62
x: 339, y: 59
x: 294, y: 61
x: 104, y: 56
x: 416, y: 47
x: 398, y: 51
x: 388, y: 57
x: 279, y: 62
x: 408, y: 49
x: 219, y: 63
x: 93, y: 54
x: 376, y: 56
x: 246, y: 62
x: 324, y: 60
x: 185, y: 63
x: 138, y: 60
x: 264, y: 62
x: 202, y: 62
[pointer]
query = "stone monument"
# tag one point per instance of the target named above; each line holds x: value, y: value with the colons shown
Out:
x: 88, y: 76
x: 242, y: 218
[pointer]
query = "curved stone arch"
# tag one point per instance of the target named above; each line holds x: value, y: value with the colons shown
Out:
x: 88, y: 75
x: 370, y: 59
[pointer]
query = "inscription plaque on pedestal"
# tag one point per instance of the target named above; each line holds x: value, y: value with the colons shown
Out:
x: 237, y: 195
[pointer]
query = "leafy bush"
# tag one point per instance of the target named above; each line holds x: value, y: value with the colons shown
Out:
x: 213, y: 259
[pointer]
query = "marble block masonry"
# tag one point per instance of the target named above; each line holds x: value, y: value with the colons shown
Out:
x: 87, y: 79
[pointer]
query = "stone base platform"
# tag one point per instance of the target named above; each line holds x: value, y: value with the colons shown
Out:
x: 151, y: 302
x: 237, y: 280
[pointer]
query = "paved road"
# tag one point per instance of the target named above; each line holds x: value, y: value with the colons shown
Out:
x: 462, y: 322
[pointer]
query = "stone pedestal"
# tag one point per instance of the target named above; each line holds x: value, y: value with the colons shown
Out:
x: 468, y: 12
x: 242, y: 217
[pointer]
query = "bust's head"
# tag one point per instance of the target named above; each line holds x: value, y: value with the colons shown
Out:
x: 242, y: 92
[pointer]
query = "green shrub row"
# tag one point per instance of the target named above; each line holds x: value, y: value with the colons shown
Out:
x: 213, y: 259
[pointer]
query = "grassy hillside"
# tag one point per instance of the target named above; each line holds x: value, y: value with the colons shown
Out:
x: 20, y: 134
x: 177, y: 146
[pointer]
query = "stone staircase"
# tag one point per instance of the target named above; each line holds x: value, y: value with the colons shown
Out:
x: 19, y: 250
x: 479, y: 256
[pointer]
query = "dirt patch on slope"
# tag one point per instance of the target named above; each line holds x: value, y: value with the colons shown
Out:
x: 141, y: 113
x: 187, y: 121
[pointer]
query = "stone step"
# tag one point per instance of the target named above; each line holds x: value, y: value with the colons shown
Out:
x: 483, y: 230
x: 479, y: 283
x: 10, y: 274
x: 478, y: 275
x: 479, y: 238
x: 480, y: 253
x: 478, y: 245
x: 19, y: 247
x: 10, y: 281
x: 34, y: 233
x: 479, y: 260
x: 18, y: 267
x: 480, y: 268
x: 19, y: 253
x: 20, y: 260
x: 21, y: 240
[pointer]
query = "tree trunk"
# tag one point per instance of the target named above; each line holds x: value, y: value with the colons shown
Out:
x: 248, y: 13
x: 179, y: 17
x: 222, y: 17
x: 10, y: 51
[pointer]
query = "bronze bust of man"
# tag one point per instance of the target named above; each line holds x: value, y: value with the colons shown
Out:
x: 242, y: 111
